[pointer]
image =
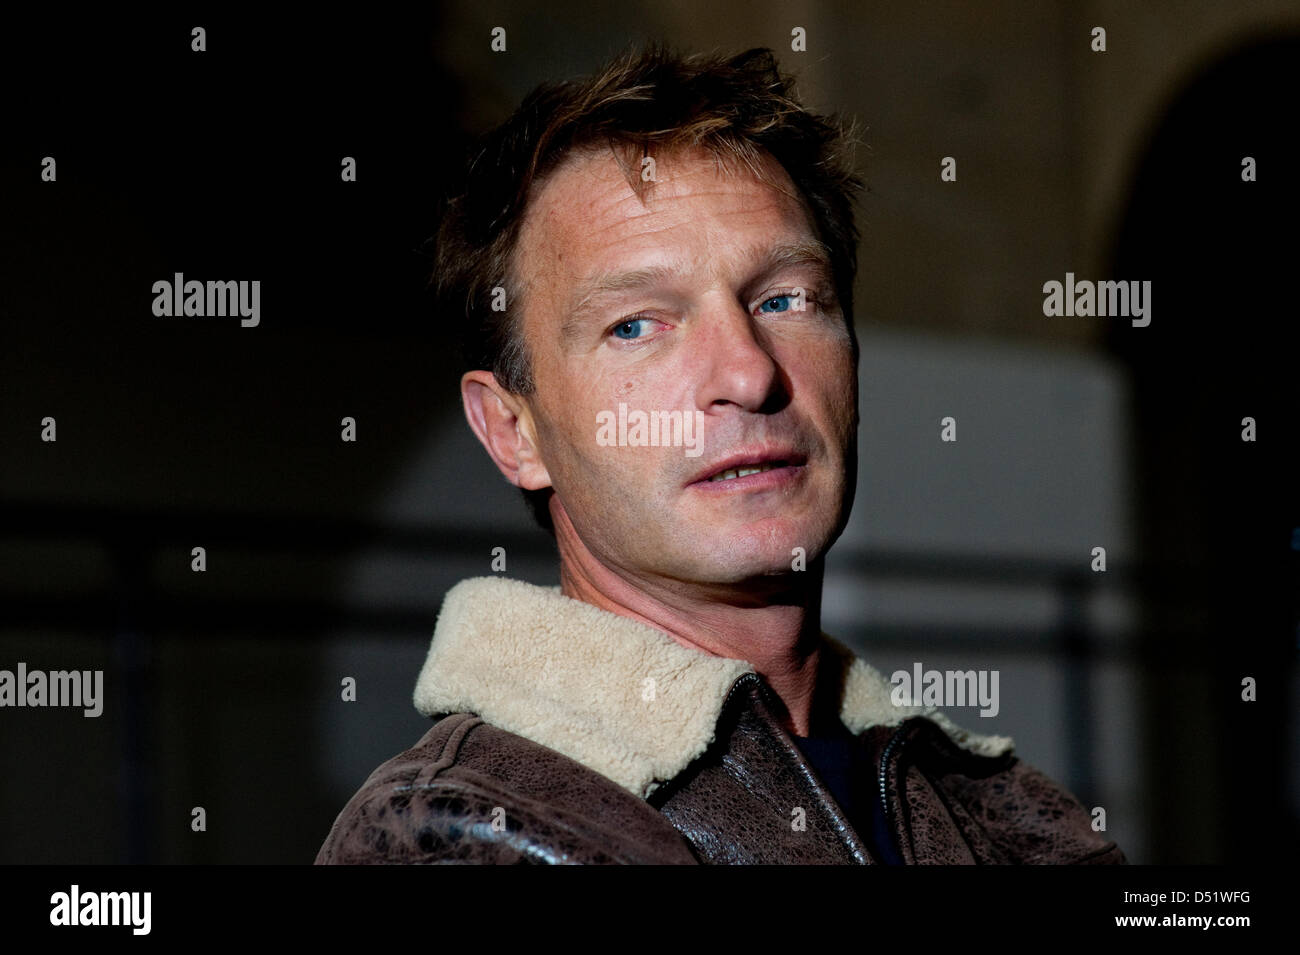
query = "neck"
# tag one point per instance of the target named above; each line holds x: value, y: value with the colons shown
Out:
x: 774, y: 622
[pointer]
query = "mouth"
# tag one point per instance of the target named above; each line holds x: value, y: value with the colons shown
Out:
x: 732, y: 473
x: 749, y: 469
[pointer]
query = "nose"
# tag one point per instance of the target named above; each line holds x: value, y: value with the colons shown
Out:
x: 737, y: 366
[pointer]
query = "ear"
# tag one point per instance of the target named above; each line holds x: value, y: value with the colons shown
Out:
x: 503, y: 423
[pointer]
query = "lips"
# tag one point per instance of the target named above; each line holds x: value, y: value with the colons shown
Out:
x: 744, y: 464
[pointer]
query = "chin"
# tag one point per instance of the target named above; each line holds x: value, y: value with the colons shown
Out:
x: 749, y: 559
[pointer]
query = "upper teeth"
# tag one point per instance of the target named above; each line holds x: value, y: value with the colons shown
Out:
x: 742, y: 472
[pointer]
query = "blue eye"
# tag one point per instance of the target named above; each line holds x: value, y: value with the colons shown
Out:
x: 783, y: 304
x: 630, y: 329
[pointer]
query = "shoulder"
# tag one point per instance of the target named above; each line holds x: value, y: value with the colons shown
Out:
x: 470, y: 792
x: 1009, y: 810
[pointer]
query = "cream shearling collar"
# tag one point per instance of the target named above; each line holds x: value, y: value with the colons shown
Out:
x: 617, y: 695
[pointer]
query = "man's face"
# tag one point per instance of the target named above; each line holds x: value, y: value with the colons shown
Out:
x: 687, y: 303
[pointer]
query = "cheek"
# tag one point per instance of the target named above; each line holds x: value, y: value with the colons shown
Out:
x: 577, y: 462
x: 829, y: 374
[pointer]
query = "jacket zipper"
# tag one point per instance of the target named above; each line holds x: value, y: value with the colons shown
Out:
x: 895, y: 741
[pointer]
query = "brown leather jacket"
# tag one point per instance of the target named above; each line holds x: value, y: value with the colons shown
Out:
x: 672, y: 757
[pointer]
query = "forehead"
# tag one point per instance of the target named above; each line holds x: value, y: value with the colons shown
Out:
x: 587, y: 218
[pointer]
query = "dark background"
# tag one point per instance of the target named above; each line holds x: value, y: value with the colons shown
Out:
x: 329, y: 560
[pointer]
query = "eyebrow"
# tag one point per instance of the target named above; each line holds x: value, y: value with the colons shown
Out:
x: 805, y: 253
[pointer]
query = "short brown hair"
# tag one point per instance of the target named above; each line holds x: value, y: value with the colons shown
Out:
x: 738, y: 107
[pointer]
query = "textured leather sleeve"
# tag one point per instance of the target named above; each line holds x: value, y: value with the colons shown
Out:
x: 1020, y: 815
x: 1034, y: 819
x: 962, y: 808
x: 469, y: 792
x: 403, y: 814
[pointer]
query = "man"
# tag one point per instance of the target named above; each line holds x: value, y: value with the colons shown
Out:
x: 654, y: 267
